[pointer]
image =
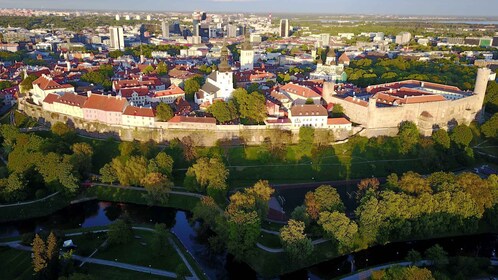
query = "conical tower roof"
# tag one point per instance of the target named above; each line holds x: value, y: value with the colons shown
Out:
x: 331, y: 53
x: 246, y: 46
x: 224, y: 66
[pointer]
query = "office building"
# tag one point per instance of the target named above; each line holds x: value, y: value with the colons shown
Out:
x: 325, y: 39
x: 284, y: 28
x: 403, y: 38
x: 165, y: 29
x: 117, y: 38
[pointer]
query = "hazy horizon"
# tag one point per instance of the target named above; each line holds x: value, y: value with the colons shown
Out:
x: 334, y: 7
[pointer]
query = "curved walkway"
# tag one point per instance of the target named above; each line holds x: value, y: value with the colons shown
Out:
x: 365, y: 274
x: 281, y: 250
x: 138, y: 268
x: 143, y: 190
x: 29, y: 202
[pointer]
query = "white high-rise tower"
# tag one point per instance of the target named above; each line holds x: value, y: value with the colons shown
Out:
x: 117, y: 38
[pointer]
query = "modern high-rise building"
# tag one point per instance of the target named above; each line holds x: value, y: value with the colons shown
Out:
x: 403, y: 38
x: 231, y: 30
x: 165, y: 29
x: 325, y: 39
x: 284, y: 28
x: 118, y: 17
x: 196, y: 27
x: 117, y: 38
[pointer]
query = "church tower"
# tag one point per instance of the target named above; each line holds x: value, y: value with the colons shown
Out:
x: 331, y: 57
x: 246, y: 55
x: 224, y: 76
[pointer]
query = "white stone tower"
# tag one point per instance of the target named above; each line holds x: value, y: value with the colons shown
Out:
x: 246, y: 55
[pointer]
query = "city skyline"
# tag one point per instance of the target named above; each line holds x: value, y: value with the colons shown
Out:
x: 392, y: 7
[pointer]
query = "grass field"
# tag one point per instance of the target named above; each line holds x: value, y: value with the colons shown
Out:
x: 33, y: 210
x: 248, y: 164
x: 269, y: 240
x: 141, y: 252
x: 15, y: 264
x: 113, y: 273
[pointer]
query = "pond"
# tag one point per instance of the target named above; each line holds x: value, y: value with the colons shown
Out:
x: 101, y: 213
x: 223, y: 266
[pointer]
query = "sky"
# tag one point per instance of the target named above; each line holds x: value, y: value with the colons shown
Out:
x: 382, y: 7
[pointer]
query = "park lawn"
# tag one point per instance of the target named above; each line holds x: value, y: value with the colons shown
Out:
x: 15, y: 264
x: 33, y: 210
x: 114, y: 273
x: 269, y: 240
x: 138, y: 254
x: 87, y: 242
x: 271, y: 225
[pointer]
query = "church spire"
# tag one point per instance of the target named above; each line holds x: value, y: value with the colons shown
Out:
x: 224, y: 66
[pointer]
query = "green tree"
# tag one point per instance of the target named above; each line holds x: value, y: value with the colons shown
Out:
x: 442, y: 138
x: 438, y: 256
x: 337, y: 111
x: 164, y: 112
x: 158, y: 188
x: 243, y: 232
x: 462, y: 136
x: 147, y: 70
x: 299, y: 214
x: 223, y: 111
x: 164, y: 163
x: 116, y: 53
x: 294, y: 240
x: 413, y: 257
x: 250, y: 106
x: 413, y: 183
x: 338, y: 226
x: 324, y: 198
x: 82, y: 157
x: 208, y: 174
x: 408, y: 135
x: 27, y: 84
x: 191, y: 86
x: 162, y: 69
x: 108, y: 174
x: 120, y: 232
x: 61, y: 129
x: 490, y: 127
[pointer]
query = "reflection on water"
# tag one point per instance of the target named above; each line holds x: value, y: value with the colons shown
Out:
x: 223, y: 266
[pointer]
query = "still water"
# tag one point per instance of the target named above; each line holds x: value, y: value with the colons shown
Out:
x: 223, y: 266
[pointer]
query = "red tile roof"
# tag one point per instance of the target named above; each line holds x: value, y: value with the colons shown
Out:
x: 72, y: 99
x: 51, y: 98
x: 46, y: 83
x: 172, y: 90
x: 105, y: 103
x: 139, y: 112
x: 127, y: 92
x: 337, y: 121
x: 300, y: 90
x: 308, y: 110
